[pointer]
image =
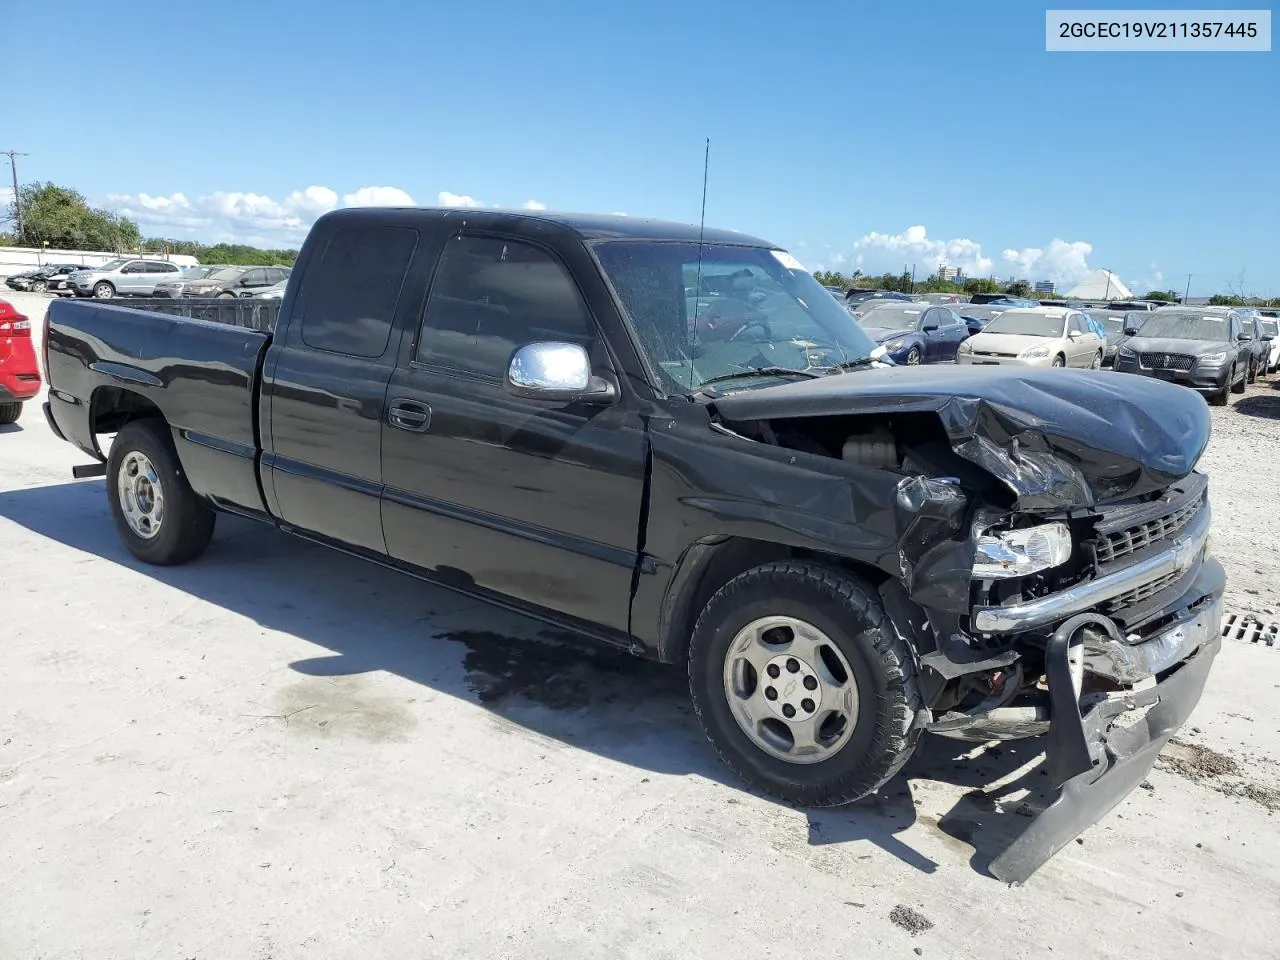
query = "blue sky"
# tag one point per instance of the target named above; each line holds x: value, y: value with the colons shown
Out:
x: 837, y: 129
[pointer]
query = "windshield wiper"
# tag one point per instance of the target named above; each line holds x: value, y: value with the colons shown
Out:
x: 855, y: 364
x: 762, y: 372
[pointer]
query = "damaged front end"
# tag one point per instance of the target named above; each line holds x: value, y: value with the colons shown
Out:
x: 1053, y: 569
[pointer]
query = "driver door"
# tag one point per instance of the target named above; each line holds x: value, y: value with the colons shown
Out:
x: 535, y: 501
x: 1080, y: 347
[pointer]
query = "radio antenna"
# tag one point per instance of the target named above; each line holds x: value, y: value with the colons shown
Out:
x: 702, y: 226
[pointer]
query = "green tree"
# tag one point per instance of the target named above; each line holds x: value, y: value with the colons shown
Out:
x: 1226, y: 300
x: 1165, y: 296
x: 981, y: 286
x: 62, y: 218
x: 1019, y: 288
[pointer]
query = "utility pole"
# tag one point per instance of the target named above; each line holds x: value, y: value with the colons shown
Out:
x: 1187, y: 296
x: 17, y: 201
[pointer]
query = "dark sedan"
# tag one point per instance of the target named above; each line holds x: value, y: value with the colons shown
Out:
x: 1207, y: 351
x: 1114, y: 323
x: 45, y: 278
x: 857, y: 297
x: 978, y: 315
x: 913, y: 333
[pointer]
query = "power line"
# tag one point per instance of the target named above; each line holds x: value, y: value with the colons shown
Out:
x: 17, y: 200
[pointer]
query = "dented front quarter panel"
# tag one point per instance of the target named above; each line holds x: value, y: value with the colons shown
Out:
x: 1057, y: 439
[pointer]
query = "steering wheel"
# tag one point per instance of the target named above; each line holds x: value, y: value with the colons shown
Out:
x: 760, y: 322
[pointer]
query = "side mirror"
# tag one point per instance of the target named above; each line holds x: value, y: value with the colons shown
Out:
x: 1075, y: 334
x: 1267, y: 338
x: 1130, y: 331
x: 929, y: 327
x: 556, y: 371
x: 1242, y: 335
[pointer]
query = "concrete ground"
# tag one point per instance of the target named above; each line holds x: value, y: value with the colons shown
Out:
x: 278, y: 752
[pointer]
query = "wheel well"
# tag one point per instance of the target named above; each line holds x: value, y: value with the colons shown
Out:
x: 708, y: 566
x: 112, y: 407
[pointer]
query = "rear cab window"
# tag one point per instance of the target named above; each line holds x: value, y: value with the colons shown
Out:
x: 350, y: 291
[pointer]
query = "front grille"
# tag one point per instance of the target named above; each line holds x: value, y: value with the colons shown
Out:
x: 1121, y: 543
x: 1144, y: 592
x: 1167, y: 361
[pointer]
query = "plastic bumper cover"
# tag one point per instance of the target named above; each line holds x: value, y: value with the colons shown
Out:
x: 1098, y: 762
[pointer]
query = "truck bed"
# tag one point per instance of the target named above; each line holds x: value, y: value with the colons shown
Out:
x: 196, y: 362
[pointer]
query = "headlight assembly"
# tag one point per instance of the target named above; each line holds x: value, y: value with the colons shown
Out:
x: 1018, y: 553
x: 1214, y: 358
x: 1034, y: 353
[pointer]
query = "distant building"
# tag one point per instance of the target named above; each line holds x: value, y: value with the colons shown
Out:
x: 949, y: 273
x: 1046, y: 286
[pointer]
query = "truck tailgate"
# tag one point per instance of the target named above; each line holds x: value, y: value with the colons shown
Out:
x: 202, y: 376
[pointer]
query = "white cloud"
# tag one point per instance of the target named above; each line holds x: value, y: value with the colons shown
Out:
x: 446, y: 199
x: 533, y: 205
x: 880, y: 252
x: 1066, y: 264
x: 618, y: 213
x: 377, y: 197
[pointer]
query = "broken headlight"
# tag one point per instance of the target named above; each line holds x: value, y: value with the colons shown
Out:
x: 1018, y: 553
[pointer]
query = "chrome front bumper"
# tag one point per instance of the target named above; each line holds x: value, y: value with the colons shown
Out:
x: 1180, y: 557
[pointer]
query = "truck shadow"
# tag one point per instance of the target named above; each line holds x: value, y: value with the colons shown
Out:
x: 555, y: 684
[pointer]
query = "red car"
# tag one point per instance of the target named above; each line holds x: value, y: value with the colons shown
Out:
x: 19, y: 373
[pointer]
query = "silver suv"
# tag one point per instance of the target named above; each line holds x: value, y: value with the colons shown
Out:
x: 126, y: 277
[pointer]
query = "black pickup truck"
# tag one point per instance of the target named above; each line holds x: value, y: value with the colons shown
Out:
x: 679, y: 443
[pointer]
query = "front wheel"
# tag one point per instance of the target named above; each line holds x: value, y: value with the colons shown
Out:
x: 1059, y: 361
x: 103, y: 290
x: 913, y: 357
x: 1097, y: 362
x: 1219, y: 399
x: 157, y: 514
x: 803, y: 685
x: 225, y: 295
x: 39, y: 286
x: 9, y: 412
x: 1242, y: 385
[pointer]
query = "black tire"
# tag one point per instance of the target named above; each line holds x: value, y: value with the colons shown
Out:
x: 1219, y: 399
x: 1253, y: 373
x: 39, y: 286
x: 913, y: 357
x: 1097, y: 362
x: 847, y: 609
x: 1059, y: 361
x: 225, y: 295
x: 103, y: 290
x: 1242, y: 385
x: 187, y: 524
x: 9, y: 412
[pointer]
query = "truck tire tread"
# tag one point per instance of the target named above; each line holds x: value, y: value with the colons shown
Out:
x: 9, y: 412
x: 899, y: 698
x: 187, y: 526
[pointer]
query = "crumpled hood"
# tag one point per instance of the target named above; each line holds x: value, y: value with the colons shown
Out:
x: 1056, y: 438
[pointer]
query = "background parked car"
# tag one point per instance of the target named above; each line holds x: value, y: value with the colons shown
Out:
x: 856, y: 297
x: 1271, y: 328
x: 125, y: 277
x: 38, y: 280
x: 1260, y: 343
x: 1114, y: 323
x: 913, y: 333
x: 1198, y: 347
x: 234, y: 281
x: 1036, y: 337
x: 174, y: 288
x: 978, y: 315
x: 273, y: 292
x: 19, y: 373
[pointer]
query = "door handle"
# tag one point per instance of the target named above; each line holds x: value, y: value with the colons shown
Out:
x: 409, y: 415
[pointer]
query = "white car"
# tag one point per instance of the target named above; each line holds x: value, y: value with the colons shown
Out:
x: 1036, y: 337
x: 1271, y: 328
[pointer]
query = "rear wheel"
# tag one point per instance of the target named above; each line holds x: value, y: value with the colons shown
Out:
x: 9, y: 412
x: 802, y: 683
x: 103, y: 290
x: 157, y: 514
